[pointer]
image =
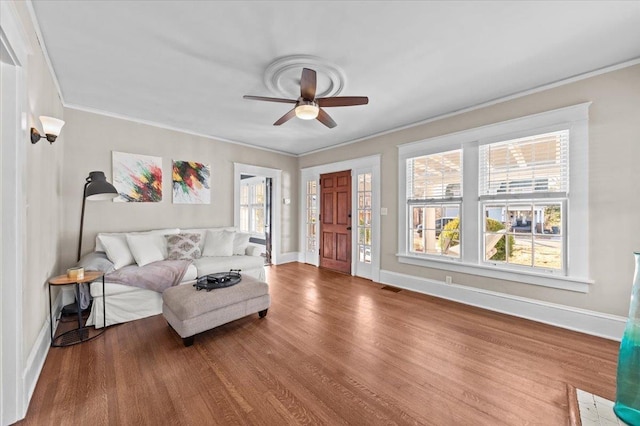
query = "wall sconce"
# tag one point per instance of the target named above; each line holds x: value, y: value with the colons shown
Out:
x: 51, y: 127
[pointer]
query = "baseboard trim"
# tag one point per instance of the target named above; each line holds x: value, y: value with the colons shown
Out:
x: 293, y: 256
x: 582, y: 320
x: 38, y: 354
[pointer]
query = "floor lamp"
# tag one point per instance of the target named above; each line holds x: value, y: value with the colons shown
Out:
x: 96, y: 188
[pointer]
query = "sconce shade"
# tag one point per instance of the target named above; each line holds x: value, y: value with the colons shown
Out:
x: 51, y: 127
x: 98, y: 188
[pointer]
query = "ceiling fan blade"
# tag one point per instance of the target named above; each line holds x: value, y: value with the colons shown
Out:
x: 288, y: 116
x: 325, y: 119
x: 308, y: 84
x: 338, y: 101
x: 262, y: 98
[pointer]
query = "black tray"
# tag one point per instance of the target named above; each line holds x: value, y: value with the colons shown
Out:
x: 218, y: 280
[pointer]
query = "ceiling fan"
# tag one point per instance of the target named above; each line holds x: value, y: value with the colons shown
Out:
x: 308, y: 106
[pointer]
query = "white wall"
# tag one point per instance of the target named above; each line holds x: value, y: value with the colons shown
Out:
x: 613, y: 197
x: 40, y: 206
x: 44, y: 204
x: 89, y: 141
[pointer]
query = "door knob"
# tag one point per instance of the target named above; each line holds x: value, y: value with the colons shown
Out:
x: 348, y: 228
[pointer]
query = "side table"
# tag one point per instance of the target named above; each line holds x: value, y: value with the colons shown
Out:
x: 80, y: 334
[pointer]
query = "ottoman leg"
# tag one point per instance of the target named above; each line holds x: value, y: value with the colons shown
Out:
x: 188, y: 341
x: 263, y: 314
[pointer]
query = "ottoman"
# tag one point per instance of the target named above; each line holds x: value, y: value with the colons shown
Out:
x: 189, y: 311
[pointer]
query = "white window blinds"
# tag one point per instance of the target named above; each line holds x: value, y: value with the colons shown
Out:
x: 435, y: 177
x: 531, y: 167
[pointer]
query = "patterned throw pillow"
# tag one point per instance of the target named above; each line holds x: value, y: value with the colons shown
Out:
x: 183, y: 246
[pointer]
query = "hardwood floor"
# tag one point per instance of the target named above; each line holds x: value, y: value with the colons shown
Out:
x: 333, y: 349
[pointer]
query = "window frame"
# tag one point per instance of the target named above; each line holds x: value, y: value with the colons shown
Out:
x: 435, y: 204
x: 311, y: 216
x: 575, y: 275
x: 252, y: 205
x: 361, y: 246
x: 562, y: 202
x: 437, y: 201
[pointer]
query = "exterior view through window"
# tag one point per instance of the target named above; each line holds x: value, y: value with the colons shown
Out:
x: 252, y: 206
x: 523, y: 191
x: 364, y: 217
x: 311, y: 214
x: 434, y: 201
x: 522, y: 195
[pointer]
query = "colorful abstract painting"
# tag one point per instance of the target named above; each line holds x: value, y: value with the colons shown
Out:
x: 138, y: 178
x: 191, y: 182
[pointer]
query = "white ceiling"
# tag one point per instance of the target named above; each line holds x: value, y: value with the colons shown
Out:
x: 187, y: 64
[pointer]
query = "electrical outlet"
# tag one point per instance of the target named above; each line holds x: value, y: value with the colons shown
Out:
x: 447, y: 279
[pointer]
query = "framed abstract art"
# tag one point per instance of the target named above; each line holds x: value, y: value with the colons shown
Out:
x: 191, y: 182
x: 137, y: 178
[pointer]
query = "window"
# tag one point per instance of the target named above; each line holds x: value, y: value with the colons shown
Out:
x: 252, y: 206
x: 523, y: 190
x: 507, y: 200
x: 364, y: 217
x: 312, y: 214
x: 433, y: 202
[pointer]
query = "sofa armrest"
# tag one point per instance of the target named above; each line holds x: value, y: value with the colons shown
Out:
x: 96, y: 261
x: 253, y: 250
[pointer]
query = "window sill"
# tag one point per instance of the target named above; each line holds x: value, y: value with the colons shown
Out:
x: 580, y: 285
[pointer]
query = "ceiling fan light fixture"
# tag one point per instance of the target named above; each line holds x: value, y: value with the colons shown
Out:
x: 307, y: 110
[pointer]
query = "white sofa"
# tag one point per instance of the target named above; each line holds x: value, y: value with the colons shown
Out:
x: 127, y: 303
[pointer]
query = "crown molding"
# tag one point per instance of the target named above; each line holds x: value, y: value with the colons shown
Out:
x: 173, y: 128
x: 513, y: 96
x: 45, y: 52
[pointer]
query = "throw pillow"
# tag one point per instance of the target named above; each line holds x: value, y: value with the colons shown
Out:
x: 240, y: 242
x: 218, y: 243
x: 117, y: 250
x: 167, y: 231
x: 203, y: 233
x: 147, y: 248
x: 183, y: 246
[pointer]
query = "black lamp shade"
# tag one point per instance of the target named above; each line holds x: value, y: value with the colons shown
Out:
x: 98, y: 188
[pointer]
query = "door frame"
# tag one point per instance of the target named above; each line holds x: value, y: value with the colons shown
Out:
x: 14, y: 140
x: 276, y: 176
x: 370, y: 164
x: 333, y: 263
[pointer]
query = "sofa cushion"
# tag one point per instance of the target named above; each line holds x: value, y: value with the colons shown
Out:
x: 147, y: 248
x: 254, y: 250
x: 218, y: 243
x: 191, y: 274
x: 240, y: 243
x: 183, y: 246
x: 96, y: 261
x: 167, y: 231
x: 212, y: 264
x: 203, y: 233
x: 117, y: 250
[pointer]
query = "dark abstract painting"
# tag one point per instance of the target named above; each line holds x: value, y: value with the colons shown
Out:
x: 191, y: 182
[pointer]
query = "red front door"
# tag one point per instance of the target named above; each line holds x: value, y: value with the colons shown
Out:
x: 335, y: 221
